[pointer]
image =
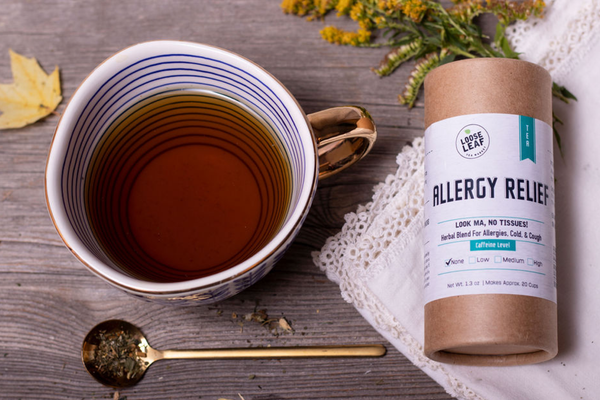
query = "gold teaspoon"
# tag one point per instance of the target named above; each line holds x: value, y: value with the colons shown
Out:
x: 117, y: 354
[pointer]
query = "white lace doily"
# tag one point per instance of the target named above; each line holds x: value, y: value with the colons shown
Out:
x: 561, y: 39
x: 370, y: 230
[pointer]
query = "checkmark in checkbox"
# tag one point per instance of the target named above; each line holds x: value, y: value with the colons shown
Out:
x: 448, y: 262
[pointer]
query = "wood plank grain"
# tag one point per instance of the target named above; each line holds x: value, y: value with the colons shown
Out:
x: 48, y: 300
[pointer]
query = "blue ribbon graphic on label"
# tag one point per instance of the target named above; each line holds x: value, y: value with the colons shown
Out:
x: 527, y: 138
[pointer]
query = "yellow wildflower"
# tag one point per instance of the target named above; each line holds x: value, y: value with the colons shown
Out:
x: 466, y: 10
x: 343, y: 7
x: 298, y: 7
x: 538, y: 7
x: 332, y: 34
x: 324, y: 6
x: 414, y: 9
x: 363, y: 36
x: 313, y: 8
x: 389, y: 5
x: 339, y: 36
x: 357, y: 11
x: 360, y: 13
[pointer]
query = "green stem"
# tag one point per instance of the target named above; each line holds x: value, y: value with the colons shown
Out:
x: 456, y: 50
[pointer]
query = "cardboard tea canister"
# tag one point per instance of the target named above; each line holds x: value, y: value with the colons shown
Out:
x: 489, y: 237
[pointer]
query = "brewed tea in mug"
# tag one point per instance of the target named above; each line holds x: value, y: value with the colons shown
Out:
x: 185, y: 184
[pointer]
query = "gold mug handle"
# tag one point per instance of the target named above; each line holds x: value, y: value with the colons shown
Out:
x: 344, y: 135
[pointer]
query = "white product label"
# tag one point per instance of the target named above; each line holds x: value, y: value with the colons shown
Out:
x: 489, y: 207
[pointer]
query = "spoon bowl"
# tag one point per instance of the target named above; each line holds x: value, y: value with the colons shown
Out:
x: 91, y: 357
x: 117, y: 354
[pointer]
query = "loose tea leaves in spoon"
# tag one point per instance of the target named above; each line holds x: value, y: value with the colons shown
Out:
x: 117, y: 354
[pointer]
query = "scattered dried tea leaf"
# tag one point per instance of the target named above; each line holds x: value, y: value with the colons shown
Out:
x: 251, y: 376
x: 32, y: 95
x: 275, y: 326
x: 285, y: 325
x: 117, y: 396
x: 259, y: 316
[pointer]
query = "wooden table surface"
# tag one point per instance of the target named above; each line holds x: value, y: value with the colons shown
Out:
x: 48, y: 300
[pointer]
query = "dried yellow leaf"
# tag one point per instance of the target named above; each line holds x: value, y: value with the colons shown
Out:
x: 32, y: 95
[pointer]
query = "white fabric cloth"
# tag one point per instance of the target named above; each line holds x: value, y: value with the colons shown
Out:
x: 377, y: 258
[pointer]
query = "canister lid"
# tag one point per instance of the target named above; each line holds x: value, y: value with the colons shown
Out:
x: 488, y: 85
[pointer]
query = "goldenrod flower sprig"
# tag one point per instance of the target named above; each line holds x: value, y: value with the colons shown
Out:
x: 424, y: 31
x: 397, y: 56
x: 417, y: 76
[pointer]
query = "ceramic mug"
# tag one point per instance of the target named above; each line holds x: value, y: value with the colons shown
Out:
x: 322, y: 144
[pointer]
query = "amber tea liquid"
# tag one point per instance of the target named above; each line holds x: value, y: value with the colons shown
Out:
x: 186, y: 184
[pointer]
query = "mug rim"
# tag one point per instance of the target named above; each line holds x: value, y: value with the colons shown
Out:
x: 139, y: 286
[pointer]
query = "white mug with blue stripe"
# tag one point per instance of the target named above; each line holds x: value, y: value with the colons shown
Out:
x: 98, y: 146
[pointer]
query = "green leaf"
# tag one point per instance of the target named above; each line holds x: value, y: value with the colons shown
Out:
x: 449, y: 58
x: 508, y: 51
x: 435, y: 41
x: 562, y: 93
x: 568, y: 94
x: 457, y: 43
x: 500, y: 31
x: 502, y: 42
x: 489, y: 49
x: 402, y: 41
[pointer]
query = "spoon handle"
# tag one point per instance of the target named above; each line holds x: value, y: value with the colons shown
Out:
x: 375, y: 350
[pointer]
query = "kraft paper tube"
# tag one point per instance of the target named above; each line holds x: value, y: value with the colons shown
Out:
x: 489, y: 329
